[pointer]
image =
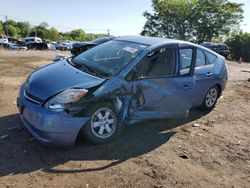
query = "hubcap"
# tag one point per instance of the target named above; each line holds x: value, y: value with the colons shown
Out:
x: 211, y: 97
x: 103, y: 123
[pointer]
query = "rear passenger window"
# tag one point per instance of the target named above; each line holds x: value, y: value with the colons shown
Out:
x: 200, y: 59
x: 210, y: 57
x: 185, y: 60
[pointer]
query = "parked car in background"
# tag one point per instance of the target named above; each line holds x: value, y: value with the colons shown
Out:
x: 30, y: 40
x: 54, y: 44
x: 79, y: 47
x: 3, y: 39
x: 19, y: 42
x: 64, y: 45
x: 16, y: 41
x: 12, y: 46
x: 125, y: 80
x: 51, y: 46
x: 12, y: 40
x: 35, y: 43
x: 221, y: 49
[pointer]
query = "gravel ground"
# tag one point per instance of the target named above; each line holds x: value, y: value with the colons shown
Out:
x: 204, y: 150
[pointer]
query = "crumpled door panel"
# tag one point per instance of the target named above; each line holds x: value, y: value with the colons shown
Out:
x: 155, y: 98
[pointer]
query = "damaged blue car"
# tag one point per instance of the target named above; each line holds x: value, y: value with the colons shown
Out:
x: 125, y: 80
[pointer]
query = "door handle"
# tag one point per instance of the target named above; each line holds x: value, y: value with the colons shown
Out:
x: 209, y: 74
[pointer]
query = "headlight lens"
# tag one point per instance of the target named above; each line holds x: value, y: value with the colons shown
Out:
x: 63, y: 100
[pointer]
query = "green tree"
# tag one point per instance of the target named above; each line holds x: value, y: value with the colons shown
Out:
x: 239, y: 44
x: 53, y: 34
x: 217, y: 18
x: 90, y: 36
x: 11, y: 22
x: 77, y: 35
x: 39, y: 31
x: 10, y: 28
x: 1, y: 28
x: 24, y: 28
x: 194, y: 20
x: 13, y: 31
x: 44, y: 25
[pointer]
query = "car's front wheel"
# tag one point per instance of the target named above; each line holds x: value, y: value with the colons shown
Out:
x: 102, y: 127
x: 210, y: 98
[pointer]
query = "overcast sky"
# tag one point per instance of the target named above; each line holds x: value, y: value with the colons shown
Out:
x: 122, y: 17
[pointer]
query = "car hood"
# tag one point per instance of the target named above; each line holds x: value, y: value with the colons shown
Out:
x: 57, y: 77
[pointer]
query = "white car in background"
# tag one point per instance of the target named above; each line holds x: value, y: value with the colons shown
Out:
x: 29, y: 40
x: 3, y: 39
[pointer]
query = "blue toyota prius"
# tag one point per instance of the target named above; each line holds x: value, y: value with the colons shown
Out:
x: 125, y: 80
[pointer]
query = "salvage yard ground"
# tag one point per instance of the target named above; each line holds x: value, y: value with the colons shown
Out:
x: 208, y: 149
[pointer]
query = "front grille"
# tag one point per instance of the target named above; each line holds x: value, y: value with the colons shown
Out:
x: 32, y: 98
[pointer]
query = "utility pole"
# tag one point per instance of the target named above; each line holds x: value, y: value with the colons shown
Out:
x: 6, y: 25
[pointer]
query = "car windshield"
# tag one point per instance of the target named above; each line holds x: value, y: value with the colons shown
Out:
x: 109, y: 58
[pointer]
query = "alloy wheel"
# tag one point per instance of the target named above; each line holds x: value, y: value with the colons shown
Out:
x: 103, y: 123
x: 211, y: 97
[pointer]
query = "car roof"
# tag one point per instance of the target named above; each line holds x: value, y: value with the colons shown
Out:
x: 145, y: 40
x: 156, y: 41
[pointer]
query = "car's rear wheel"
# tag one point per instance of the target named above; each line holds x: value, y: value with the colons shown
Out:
x: 102, y: 127
x: 210, y: 99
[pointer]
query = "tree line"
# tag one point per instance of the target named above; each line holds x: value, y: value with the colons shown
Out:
x: 196, y: 21
x: 239, y: 44
x: 24, y: 29
x: 199, y: 21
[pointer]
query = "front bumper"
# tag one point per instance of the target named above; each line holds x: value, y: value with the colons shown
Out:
x: 50, y: 128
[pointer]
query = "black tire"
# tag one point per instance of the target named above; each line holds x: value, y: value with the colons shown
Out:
x: 210, y: 98
x: 92, y: 133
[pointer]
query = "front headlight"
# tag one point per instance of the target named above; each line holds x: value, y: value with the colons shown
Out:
x: 63, y: 100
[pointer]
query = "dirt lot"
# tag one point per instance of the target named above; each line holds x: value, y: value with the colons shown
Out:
x: 166, y: 153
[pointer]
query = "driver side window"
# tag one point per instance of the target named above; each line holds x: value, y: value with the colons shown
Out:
x: 159, y: 63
